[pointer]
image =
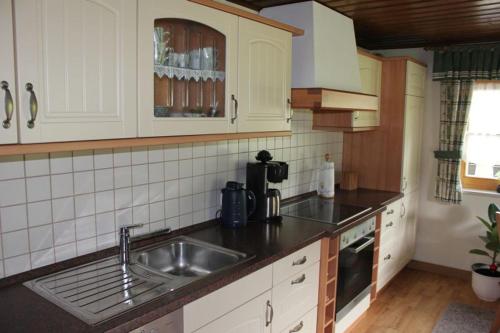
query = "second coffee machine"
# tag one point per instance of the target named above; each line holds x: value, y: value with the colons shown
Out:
x: 259, y: 175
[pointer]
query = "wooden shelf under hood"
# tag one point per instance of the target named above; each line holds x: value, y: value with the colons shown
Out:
x: 318, y: 99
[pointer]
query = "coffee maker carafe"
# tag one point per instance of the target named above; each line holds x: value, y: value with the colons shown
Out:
x: 259, y: 175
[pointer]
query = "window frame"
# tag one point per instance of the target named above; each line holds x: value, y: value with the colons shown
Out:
x: 476, y: 183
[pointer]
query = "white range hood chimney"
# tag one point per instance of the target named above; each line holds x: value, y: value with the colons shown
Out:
x: 326, y: 55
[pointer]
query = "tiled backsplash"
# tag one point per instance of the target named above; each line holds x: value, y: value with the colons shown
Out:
x: 54, y: 207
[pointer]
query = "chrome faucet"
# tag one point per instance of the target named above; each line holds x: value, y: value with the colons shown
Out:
x: 125, y: 242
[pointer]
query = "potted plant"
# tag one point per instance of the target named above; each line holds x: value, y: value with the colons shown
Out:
x: 486, y: 277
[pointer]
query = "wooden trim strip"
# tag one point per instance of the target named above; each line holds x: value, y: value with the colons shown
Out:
x: 51, y: 147
x: 251, y: 16
x: 441, y: 270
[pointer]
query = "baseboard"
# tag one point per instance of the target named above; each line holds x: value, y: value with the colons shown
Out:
x: 442, y: 270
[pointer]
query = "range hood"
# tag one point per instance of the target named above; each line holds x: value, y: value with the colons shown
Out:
x: 325, y: 69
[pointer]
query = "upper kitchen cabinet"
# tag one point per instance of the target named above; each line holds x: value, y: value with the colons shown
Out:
x: 76, y: 67
x: 415, y: 79
x: 187, y: 69
x: 264, y: 76
x: 8, y: 116
x: 412, y: 138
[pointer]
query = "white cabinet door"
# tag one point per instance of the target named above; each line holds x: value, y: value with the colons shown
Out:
x: 251, y: 317
x: 8, y: 116
x: 264, y: 66
x: 412, y: 143
x: 79, y: 57
x: 415, y: 79
x: 221, y: 22
x: 370, y: 71
x: 409, y: 226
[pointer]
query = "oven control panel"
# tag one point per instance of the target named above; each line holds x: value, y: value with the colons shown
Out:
x: 357, y: 232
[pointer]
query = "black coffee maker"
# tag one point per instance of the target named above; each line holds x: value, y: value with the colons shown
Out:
x: 259, y: 175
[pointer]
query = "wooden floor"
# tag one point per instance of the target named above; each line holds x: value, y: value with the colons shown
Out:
x: 414, y: 301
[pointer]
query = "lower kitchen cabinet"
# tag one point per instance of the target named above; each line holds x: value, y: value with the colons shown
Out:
x: 252, y: 317
x: 254, y: 305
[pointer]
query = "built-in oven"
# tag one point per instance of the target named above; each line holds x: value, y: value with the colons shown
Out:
x: 355, y: 267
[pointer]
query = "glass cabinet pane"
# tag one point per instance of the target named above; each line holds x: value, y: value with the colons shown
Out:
x: 189, y: 69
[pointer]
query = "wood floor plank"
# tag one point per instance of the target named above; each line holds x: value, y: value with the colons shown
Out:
x: 414, y: 302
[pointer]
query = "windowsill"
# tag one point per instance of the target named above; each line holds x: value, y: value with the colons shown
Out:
x: 481, y: 192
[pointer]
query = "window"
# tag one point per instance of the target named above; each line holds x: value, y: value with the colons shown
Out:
x: 481, y: 160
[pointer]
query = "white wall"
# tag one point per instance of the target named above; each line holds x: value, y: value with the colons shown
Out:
x: 57, y: 206
x: 445, y: 233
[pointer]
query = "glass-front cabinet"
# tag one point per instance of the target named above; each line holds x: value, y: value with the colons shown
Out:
x: 187, y: 69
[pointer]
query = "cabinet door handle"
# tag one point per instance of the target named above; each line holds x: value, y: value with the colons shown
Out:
x: 269, y: 313
x: 235, y: 101
x: 390, y: 224
x: 403, y: 212
x: 387, y: 257
x: 9, y: 105
x: 297, y: 328
x: 290, y: 110
x: 300, y: 261
x: 299, y: 280
x: 405, y: 184
x: 390, y: 212
x: 33, y: 105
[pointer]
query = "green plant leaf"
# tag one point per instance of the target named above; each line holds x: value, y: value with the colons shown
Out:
x: 493, y: 246
x: 485, y: 239
x: 492, y: 211
x: 486, y: 223
x: 480, y: 252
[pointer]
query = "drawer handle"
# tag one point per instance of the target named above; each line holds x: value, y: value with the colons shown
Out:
x: 387, y: 257
x: 297, y: 328
x: 300, y: 261
x: 390, y: 212
x: 390, y: 224
x: 403, y: 207
x: 269, y: 313
x: 300, y: 279
x: 33, y: 105
x: 9, y: 105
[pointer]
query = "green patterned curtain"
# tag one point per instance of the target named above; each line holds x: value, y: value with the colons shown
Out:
x: 473, y: 62
x: 457, y: 67
x: 455, y: 104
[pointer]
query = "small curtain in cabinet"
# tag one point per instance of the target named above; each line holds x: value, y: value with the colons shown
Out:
x: 455, y: 104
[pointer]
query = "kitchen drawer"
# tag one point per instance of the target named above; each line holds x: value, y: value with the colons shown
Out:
x: 390, y: 219
x: 389, y: 253
x: 295, y: 296
x: 170, y: 323
x: 222, y: 301
x: 295, y: 262
x: 306, y: 324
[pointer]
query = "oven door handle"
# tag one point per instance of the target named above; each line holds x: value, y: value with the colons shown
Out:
x: 370, y: 241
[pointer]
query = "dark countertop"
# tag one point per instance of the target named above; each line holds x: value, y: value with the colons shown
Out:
x: 22, y: 310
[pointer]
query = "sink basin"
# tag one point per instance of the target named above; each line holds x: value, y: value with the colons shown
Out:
x: 186, y: 257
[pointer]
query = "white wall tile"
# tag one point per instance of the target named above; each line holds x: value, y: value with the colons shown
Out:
x: 38, y: 188
x: 61, y: 162
x: 139, y: 155
x: 198, y: 184
x: 11, y: 167
x: 123, y: 217
x: 198, y: 201
x: 104, y: 201
x: 211, y: 149
x: 62, y: 185
x: 198, y: 150
x: 172, y: 223
x: 103, y: 179
x: 123, y: 198
x: 185, y: 186
x: 157, y: 211
x: 13, y: 192
x: 83, y: 160
x: 185, y: 151
x: 171, y: 208
x: 171, y: 189
x: 171, y: 170
x: 42, y: 258
x: 243, y: 146
x: 211, y: 164
x: 63, y: 209
x: 155, y: 172
x: 171, y: 152
x: 155, y: 154
x: 17, y: 264
x: 185, y: 168
x: 15, y: 243
x: 85, y: 227
x: 64, y: 232
x: 140, y: 195
x: 123, y: 176
x: 185, y: 204
x: 41, y: 238
x: 105, y: 223
x: 85, y: 246
x: 39, y: 213
x: 198, y: 166
x: 156, y: 192
x: 106, y: 241
x: 84, y: 182
x: 140, y: 214
x: 103, y: 158
x: 139, y: 174
x: 186, y: 220
x: 84, y: 205
x: 13, y: 218
x: 65, y: 251
x: 37, y: 165
x: 122, y: 157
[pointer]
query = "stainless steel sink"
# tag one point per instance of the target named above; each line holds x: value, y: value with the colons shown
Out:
x: 186, y: 258
x: 103, y: 289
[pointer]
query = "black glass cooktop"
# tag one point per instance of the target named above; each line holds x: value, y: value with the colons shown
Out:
x: 324, y: 210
